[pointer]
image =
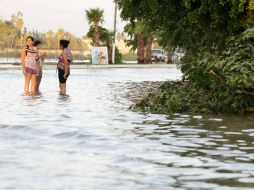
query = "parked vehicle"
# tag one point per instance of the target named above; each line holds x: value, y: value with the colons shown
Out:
x: 158, y: 55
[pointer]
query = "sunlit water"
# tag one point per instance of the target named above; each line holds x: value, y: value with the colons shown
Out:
x: 90, y: 140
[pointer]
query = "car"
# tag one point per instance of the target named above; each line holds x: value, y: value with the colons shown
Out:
x: 158, y: 55
x: 177, y: 55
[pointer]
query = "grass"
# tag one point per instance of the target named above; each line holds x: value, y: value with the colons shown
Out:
x: 130, y: 56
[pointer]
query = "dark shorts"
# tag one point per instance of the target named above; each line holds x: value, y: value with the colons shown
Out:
x: 61, y: 78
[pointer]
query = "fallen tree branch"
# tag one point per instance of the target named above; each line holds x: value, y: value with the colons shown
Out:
x: 245, y: 92
x: 250, y: 109
x: 216, y: 76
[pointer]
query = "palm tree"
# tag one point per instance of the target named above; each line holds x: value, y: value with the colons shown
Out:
x: 132, y: 40
x: 17, y: 21
x: 149, y: 43
x: 141, y: 51
x: 95, y: 16
x: 136, y: 33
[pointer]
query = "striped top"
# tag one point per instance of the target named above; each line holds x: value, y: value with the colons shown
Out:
x: 31, y: 57
x: 60, y: 64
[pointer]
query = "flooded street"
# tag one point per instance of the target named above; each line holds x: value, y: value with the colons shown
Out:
x: 90, y: 140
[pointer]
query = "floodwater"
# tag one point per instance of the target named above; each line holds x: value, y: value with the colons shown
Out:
x: 90, y: 140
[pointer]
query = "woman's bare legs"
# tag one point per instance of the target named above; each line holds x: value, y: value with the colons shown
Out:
x: 27, y: 82
x: 62, y: 88
x: 34, y: 83
x: 38, y: 82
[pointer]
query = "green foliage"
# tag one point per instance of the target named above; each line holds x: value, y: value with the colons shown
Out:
x: 8, y: 34
x: 130, y: 56
x: 11, y: 36
x: 189, y: 24
x: 184, y: 98
x: 119, y: 56
x: 94, y: 15
x: 105, y: 35
x: 216, y: 84
x: 174, y: 97
x: 132, y: 41
x: 237, y: 65
x: 233, y: 68
x: 217, y: 37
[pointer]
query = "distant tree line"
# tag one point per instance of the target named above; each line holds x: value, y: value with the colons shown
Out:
x: 13, y: 36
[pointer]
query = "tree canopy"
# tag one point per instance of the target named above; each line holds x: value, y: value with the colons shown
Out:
x: 217, y: 37
x: 94, y: 15
x: 191, y: 24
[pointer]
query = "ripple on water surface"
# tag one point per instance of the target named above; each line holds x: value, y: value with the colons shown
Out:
x: 89, y: 139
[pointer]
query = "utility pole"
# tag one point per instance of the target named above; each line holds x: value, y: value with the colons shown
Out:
x: 114, y: 38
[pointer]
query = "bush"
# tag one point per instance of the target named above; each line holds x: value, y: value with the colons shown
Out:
x: 217, y: 83
x: 119, y: 57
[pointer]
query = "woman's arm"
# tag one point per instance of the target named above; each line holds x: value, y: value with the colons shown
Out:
x: 65, y: 61
x: 30, y: 50
x: 42, y: 56
x: 23, y: 56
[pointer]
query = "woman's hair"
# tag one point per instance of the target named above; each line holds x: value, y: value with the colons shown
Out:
x: 30, y: 37
x: 64, y: 43
x: 36, y: 43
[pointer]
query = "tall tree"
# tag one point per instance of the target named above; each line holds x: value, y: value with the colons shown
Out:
x: 95, y: 17
x: 17, y: 21
x: 49, y: 37
x: 8, y: 34
x: 149, y: 43
x: 135, y: 31
x: 131, y: 40
x: 141, y: 51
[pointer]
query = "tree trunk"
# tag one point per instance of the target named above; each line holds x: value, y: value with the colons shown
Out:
x: 149, y: 49
x: 140, y: 51
x: 96, y: 34
x: 21, y: 39
x: 109, y: 53
x: 170, y: 61
x: 12, y: 41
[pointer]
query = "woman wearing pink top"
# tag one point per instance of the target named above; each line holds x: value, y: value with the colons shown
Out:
x: 29, y: 64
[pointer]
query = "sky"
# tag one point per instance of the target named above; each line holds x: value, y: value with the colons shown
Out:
x: 44, y: 15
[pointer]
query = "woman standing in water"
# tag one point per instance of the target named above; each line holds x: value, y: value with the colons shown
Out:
x: 40, y: 59
x: 29, y: 64
x: 63, y: 66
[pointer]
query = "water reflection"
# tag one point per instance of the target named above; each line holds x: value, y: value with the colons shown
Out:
x: 219, y: 155
x: 64, y: 98
x: 33, y: 99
